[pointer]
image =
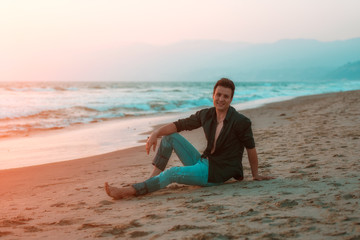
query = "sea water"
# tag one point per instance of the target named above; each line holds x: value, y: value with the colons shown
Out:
x: 87, y: 108
x: 27, y: 107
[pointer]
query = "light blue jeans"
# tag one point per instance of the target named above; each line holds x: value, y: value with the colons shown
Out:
x: 194, y: 172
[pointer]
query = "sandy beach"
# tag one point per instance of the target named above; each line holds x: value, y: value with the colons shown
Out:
x: 310, y: 144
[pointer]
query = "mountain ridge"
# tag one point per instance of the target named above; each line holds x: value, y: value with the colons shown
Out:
x: 201, y: 60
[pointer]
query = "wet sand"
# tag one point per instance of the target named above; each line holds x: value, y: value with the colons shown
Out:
x: 310, y: 144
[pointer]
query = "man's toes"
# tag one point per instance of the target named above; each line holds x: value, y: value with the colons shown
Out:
x: 107, y: 189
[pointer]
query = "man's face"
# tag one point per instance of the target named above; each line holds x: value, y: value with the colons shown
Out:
x: 222, y: 98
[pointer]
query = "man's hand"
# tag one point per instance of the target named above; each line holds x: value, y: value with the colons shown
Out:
x: 260, y: 178
x: 162, y: 131
x: 151, y: 142
x: 253, y: 160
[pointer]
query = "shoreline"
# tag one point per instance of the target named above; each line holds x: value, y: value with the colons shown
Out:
x: 155, y: 121
x: 310, y: 144
x: 91, y: 139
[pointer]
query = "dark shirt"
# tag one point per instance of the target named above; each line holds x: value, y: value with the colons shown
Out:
x: 226, y: 161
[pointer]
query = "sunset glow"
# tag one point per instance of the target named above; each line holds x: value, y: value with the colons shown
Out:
x: 52, y: 40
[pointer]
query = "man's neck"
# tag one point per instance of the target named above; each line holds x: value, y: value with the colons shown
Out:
x: 221, y: 115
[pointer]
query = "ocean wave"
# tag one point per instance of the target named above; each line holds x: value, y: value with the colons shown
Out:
x: 27, y: 107
x: 55, y: 114
x: 25, y: 130
x: 39, y: 89
x: 61, y: 118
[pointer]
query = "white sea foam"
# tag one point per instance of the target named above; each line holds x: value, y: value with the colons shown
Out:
x: 25, y: 107
x: 102, y: 117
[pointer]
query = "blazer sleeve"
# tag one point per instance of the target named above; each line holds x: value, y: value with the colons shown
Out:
x: 244, y: 133
x: 190, y: 123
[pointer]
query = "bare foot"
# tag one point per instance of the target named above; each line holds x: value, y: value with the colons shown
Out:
x: 119, y: 193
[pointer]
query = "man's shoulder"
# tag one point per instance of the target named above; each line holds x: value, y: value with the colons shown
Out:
x: 209, y: 109
x: 237, y: 116
x: 206, y: 111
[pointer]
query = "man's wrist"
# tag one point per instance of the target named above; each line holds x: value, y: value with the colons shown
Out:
x: 155, y: 133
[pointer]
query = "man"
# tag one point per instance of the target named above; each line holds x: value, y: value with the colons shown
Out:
x: 227, y: 132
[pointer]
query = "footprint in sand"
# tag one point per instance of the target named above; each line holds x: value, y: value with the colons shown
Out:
x: 210, y: 194
x: 63, y: 222
x: 153, y: 216
x: 136, y: 234
x: 3, y: 234
x: 287, y: 203
x: 77, y: 206
x: 349, y: 196
x: 115, y: 231
x: 211, y: 235
x: 82, y: 188
x: 195, y: 200
x: 32, y: 229
x: 214, y: 208
x: 105, y: 203
x: 249, y: 212
x: 119, y: 230
x: 311, y: 165
x: 93, y: 225
x: 66, y: 222
x: 15, y: 221
x: 31, y: 208
x: 185, y: 227
x: 101, y: 206
x: 59, y: 204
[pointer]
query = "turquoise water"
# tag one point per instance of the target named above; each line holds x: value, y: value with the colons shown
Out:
x: 25, y: 107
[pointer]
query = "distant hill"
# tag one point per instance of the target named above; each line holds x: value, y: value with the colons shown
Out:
x: 207, y: 60
x: 349, y: 71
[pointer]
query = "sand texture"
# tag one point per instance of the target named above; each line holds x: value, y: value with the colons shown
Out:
x: 310, y: 144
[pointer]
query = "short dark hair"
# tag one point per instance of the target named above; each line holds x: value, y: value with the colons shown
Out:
x: 225, y: 82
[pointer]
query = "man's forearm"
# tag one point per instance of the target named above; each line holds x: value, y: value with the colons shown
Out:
x: 162, y: 131
x: 253, y: 160
x: 165, y: 130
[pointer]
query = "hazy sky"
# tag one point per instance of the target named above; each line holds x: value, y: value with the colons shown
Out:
x: 41, y: 38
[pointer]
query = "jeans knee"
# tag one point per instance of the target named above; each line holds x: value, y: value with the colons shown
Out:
x: 172, y: 174
x: 169, y: 138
